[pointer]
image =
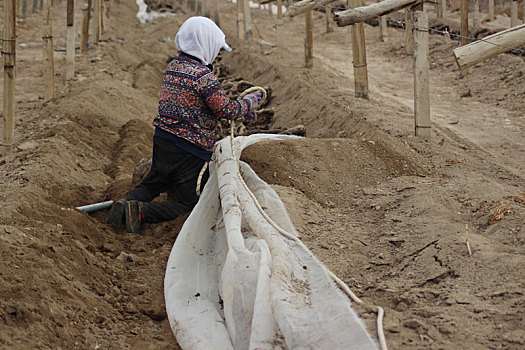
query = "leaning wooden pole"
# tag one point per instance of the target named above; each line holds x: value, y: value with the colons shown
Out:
x: 309, y: 40
x: 364, y: 13
x: 9, y: 59
x: 490, y: 46
x: 359, y: 56
x: 70, y: 40
x: 85, y: 27
x: 47, y: 47
x: 421, y: 76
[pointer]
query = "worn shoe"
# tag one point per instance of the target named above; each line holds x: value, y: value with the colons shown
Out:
x: 133, y: 216
x: 116, y: 214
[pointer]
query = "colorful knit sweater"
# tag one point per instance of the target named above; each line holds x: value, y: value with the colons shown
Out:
x: 192, y: 101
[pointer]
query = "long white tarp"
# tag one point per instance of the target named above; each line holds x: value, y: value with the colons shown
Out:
x: 234, y: 282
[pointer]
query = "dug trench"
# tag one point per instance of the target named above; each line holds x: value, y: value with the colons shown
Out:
x: 385, y: 213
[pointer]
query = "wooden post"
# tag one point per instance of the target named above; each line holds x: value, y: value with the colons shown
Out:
x: 442, y: 8
x: 9, y: 59
x: 96, y: 23
x: 513, y: 13
x: 206, y: 8
x: 24, y: 9
x: 409, y: 20
x: 248, y: 20
x: 475, y: 15
x: 47, y: 46
x: 279, y: 9
x: 101, y: 14
x: 70, y: 40
x: 215, y: 4
x: 421, y: 76
x: 199, y: 11
x: 490, y: 46
x: 464, y: 23
x: 35, y: 6
x: 328, y: 17
x: 241, y: 32
x: 359, y: 56
x: 491, y: 10
x: 309, y: 40
x: 382, y: 26
x: 85, y: 27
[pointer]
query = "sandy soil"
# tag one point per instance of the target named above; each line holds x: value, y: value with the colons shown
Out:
x: 386, y: 211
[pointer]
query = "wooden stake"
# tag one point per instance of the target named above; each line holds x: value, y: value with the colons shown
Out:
x: 102, y: 2
x: 215, y: 4
x: 85, y: 27
x: 421, y: 76
x: 96, y: 23
x: 9, y: 59
x: 309, y: 40
x: 47, y: 46
x: 70, y: 40
x: 382, y: 26
x: 409, y: 26
x: 328, y: 17
x: 206, y: 8
x: 475, y: 15
x: 491, y: 10
x: 513, y: 13
x: 359, y: 55
x: 248, y: 20
x: 464, y: 22
x: 442, y: 9
x: 241, y: 32
x: 279, y: 9
x: 24, y: 9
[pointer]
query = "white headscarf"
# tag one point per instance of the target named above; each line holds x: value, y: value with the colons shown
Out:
x: 201, y: 38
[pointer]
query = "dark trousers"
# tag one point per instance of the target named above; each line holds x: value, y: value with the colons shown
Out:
x: 171, y: 169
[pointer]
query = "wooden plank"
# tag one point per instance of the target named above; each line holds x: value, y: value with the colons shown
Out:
x: 47, y: 48
x: 309, y: 40
x: 421, y: 76
x: 481, y: 50
x: 9, y: 59
x: 365, y: 13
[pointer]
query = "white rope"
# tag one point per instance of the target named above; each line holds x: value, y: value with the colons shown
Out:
x: 343, y: 285
x: 199, y: 179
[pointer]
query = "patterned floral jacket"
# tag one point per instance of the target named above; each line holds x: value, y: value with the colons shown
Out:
x: 192, y: 101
